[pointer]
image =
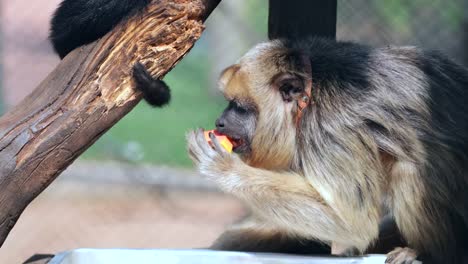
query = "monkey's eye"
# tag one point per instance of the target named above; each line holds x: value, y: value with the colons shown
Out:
x: 237, y: 107
x: 232, y: 105
x: 241, y: 110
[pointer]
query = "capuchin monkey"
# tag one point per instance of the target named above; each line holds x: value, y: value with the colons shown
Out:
x: 79, y: 22
x: 331, y: 139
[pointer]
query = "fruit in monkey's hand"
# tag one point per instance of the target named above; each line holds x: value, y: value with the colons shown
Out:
x: 223, y: 140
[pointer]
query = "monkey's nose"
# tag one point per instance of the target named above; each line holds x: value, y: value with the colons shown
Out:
x: 219, y: 123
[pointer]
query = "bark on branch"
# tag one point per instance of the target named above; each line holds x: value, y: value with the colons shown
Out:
x: 88, y: 92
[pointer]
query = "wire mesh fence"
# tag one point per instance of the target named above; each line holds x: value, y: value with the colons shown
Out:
x: 440, y: 25
x: 75, y: 207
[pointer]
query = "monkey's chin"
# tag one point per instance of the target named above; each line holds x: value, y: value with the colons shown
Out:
x: 240, y: 146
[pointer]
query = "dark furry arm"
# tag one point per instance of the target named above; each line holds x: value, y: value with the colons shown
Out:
x: 79, y: 22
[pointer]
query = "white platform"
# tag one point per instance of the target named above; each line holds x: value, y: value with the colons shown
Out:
x: 175, y: 256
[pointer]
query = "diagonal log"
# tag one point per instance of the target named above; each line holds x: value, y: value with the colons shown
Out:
x: 88, y: 92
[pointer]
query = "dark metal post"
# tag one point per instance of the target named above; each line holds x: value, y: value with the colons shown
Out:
x: 302, y: 18
x: 465, y: 33
x: 2, y: 82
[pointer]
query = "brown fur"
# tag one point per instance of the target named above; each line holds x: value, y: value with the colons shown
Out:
x: 351, y: 162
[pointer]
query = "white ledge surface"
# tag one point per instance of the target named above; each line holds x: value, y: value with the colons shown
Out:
x: 198, y: 256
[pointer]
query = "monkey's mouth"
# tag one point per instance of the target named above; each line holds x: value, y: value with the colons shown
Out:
x: 239, y: 145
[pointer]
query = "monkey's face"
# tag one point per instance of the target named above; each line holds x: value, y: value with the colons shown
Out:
x: 238, y: 121
x: 261, y: 90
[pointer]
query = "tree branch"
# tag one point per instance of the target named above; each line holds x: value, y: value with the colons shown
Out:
x: 88, y: 92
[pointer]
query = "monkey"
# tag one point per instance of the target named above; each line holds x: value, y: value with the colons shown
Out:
x: 332, y: 137
x: 79, y: 22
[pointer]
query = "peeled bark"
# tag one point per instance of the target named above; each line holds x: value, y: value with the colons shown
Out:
x: 88, y: 92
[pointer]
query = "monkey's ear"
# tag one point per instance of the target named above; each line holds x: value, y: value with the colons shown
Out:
x: 290, y: 86
x: 226, y: 76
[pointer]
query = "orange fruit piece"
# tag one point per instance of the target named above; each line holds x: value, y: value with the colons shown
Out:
x: 223, y: 140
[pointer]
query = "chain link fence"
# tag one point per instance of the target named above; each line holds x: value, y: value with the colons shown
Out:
x: 441, y: 25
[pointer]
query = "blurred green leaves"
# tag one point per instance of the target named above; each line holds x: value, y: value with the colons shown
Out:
x: 157, y: 135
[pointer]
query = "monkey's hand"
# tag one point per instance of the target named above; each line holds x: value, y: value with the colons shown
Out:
x: 213, y: 162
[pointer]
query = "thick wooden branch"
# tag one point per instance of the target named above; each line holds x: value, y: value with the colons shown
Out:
x: 88, y: 92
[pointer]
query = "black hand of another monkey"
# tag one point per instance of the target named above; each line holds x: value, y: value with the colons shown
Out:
x: 213, y: 162
x: 155, y: 91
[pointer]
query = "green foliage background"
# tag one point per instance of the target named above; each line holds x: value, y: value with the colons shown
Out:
x: 158, y: 135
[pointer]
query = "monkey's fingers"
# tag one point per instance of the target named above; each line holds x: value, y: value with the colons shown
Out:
x: 193, y: 157
x: 204, y: 146
x: 199, y: 146
x: 194, y: 150
x: 402, y: 256
x: 217, y: 145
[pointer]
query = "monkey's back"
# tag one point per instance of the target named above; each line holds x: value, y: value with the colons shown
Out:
x: 414, y: 104
x: 437, y: 89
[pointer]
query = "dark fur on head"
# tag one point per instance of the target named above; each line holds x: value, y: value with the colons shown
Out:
x: 386, y: 136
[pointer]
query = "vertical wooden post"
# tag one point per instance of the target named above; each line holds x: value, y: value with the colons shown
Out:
x: 302, y: 18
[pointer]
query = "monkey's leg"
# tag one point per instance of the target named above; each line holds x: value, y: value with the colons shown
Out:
x: 389, y: 239
x: 154, y: 91
x: 424, y: 224
x: 257, y: 238
x: 267, y: 240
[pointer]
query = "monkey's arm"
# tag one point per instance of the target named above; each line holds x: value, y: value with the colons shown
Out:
x: 79, y: 22
x: 284, y: 198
